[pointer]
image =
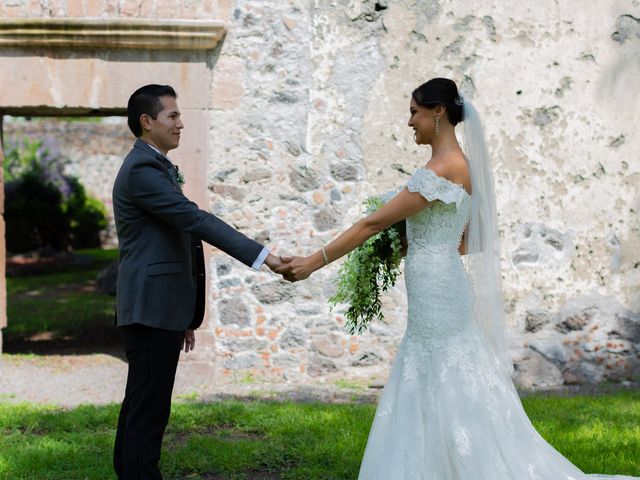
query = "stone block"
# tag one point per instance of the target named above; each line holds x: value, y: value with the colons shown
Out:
x: 223, y: 267
x: 168, y: 9
x: 242, y: 344
x: 222, y: 9
x: 583, y: 374
x: 304, y: 179
x: 534, y: 371
x: 325, y: 219
x: 15, y: 9
x: 75, y: 8
x: 95, y: 8
x: 19, y: 69
x: 242, y: 361
x: 192, y: 156
x: 293, y: 337
x: 201, y: 372
x: 344, y: 172
x: 256, y: 174
x: 228, y: 83
x: 273, y: 292
x: 104, y: 81
x: 187, y: 72
x: 552, y: 350
x: 319, y: 365
x: 132, y: 8
x: 286, y: 361
x: 368, y: 359
x: 233, y: 311
x: 627, y: 326
x: 576, y: 321
x: 536, y: 320
x: 328, y: 346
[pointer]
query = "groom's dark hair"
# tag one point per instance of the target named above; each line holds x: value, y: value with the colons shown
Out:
x: 146, y: 100
x: 440, y: 91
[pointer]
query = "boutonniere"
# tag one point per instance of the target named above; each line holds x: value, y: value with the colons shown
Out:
x: 179, y: 175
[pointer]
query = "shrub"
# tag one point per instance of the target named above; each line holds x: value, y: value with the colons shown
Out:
x: 44, y: 207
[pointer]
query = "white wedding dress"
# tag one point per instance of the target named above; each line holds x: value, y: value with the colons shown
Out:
x: 448, y: 412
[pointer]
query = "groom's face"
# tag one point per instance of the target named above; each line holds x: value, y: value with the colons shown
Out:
x: 165, y: 129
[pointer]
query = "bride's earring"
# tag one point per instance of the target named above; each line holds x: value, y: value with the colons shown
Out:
x: 437, y: 126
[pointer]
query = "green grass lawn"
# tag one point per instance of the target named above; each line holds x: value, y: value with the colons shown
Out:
x: 268, y: 440
x: 59, y: 304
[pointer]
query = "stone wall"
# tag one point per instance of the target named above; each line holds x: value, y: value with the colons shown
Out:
x: 307, y: 117
x: 3, y: 281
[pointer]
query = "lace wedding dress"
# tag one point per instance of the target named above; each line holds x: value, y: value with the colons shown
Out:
x: 447, y: 411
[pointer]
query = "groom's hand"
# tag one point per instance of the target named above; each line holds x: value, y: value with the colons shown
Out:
x: 188, y: 341
x: 297, y: 268
x: 276, y: 265
x: 273, y: 262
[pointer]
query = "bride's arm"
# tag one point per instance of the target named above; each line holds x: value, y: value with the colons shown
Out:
x: 403, y: 205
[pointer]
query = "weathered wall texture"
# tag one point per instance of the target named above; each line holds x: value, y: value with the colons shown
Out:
x: 310, y: 111
x: 306, y: 117
x: 3, y: 282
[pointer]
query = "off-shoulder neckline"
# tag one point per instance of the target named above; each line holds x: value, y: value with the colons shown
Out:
x: 461, y: 187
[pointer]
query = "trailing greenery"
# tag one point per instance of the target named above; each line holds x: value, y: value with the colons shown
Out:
x: 369, y: 270
x: 46, y: 208
x: 240, y: 440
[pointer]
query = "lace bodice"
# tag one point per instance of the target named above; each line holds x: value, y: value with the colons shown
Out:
x: 444, y: 221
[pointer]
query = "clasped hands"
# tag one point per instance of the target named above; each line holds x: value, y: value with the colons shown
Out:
x: 294, y: 269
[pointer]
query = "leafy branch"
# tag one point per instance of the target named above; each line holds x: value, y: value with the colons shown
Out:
x: 369, y: 270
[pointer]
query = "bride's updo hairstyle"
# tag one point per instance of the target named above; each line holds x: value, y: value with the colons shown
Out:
x: 440, y: 91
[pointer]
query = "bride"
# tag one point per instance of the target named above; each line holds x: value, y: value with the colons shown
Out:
x: 449, y: 410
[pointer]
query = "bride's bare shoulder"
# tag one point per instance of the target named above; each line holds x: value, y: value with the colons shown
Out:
x: 453, y: 168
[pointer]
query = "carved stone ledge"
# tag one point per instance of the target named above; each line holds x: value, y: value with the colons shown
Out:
x: 111, y: 33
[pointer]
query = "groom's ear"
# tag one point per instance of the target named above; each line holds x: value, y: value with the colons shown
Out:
x: 145, y: 121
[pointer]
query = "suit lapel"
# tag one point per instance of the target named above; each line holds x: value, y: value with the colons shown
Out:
x: 169, y: 167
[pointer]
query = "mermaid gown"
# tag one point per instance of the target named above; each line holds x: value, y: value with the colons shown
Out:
x: 448, y: 411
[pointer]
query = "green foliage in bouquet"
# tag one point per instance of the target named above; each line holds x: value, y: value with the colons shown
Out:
x: 369, y: 270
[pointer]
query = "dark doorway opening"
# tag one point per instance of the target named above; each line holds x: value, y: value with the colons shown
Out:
x: 58, y: 300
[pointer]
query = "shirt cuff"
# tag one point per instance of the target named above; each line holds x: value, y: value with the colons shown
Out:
x: 261, y: 258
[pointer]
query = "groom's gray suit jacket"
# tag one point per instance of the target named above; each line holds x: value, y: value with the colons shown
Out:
x: 161, y: 265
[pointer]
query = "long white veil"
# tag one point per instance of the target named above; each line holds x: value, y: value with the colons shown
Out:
x: 482, y: 242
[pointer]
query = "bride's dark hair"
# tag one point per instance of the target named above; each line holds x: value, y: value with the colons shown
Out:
x: 440, y: 91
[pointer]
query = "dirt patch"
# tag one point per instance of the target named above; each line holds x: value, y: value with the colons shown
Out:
x: 36, y: 263
x: 226, y: 432
x: 247, y: 475
x: 100, y: 337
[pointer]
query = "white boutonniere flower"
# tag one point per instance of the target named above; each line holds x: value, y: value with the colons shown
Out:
x: 179, y: 176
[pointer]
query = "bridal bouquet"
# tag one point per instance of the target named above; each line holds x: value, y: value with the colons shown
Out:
x: 369, y: 269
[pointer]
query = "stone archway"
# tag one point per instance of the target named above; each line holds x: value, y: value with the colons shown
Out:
x: 59, y: 66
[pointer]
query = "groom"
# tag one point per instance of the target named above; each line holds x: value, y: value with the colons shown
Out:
x: 161, y: 275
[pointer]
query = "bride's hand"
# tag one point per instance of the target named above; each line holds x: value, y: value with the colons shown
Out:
x: 298, y: 268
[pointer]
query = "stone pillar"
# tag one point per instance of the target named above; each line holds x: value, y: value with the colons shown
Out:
x: 192, y: 158
x: 3, y: 289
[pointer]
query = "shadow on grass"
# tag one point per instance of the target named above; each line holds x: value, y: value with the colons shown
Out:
x: 267, y: 440
x: 62, y: 312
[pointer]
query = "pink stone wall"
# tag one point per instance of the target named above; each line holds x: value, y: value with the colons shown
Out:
x: 3, y: 287
x: 105, y: 80
x: 158, y: 9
